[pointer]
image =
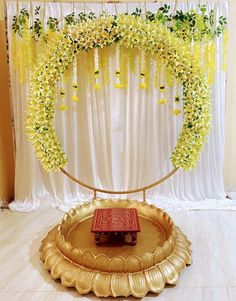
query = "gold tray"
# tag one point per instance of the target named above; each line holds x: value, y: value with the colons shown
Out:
x: 161, y: 253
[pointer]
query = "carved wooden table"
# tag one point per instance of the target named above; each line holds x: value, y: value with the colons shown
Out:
x: 115, y: 223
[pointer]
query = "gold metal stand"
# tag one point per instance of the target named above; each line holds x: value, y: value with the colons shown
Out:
x: 143, y: 189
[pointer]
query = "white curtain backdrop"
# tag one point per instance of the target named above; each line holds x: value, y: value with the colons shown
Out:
x: 119, y: 138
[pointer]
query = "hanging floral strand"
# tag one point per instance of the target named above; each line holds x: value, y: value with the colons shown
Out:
x: 197, y: 50
x: 63, y: 106
x: 22, y: 60
x: 132, y: 52
x: 74, y: 97
x: 191, y: 26
x: 124, y: 67
x: 212, y: 62
x: 176, y: 105
x: 162, y: 100
x: 104, y: 54
x: 169, y: 78
x: 224, y: 52
x: 34, y: 39
x: 142, y: 80
x: 96, y: 69
x: 147, y: 68
x: 118, y: 84
x: 157, y: 71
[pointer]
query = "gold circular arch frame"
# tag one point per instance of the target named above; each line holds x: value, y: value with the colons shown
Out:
x: 143, y: 189
x: 184, y: 65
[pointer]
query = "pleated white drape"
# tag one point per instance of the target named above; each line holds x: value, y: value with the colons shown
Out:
x: 119, y: 138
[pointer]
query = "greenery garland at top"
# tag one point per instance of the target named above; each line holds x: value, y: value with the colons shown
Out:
x: 129, y: 31
x: 190, y: 25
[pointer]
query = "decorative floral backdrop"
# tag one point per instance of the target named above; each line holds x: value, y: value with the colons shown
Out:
x: 102, y: 105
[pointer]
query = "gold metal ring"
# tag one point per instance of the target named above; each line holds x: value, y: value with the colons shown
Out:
x: 96, y: 189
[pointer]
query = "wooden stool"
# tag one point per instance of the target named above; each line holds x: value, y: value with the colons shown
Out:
x: 115, y: 223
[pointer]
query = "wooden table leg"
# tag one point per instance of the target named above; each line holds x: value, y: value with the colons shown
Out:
x: 97, y: 238
x: 133, y: 238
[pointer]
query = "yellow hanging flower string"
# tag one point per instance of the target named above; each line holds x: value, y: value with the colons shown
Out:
x: 22, y: 60
x: 124, y: 67
x: 68, y: 73
x: 212, y: 62
x: 118, y: 83
x: 157, y: 71
x: 104, y: 54
x: 32, y: 40
x: 142, y: 80
x: 89, y: 62
x: 197, y: 50
x: 147, y: 68
x: 162, y: 100
x: 96, y: 69
x: 224, y: 52
x: 74, y: 97
x: 63, y: 106
x: 176, y: 109
x: 206, y: 55
x: 132, y: 56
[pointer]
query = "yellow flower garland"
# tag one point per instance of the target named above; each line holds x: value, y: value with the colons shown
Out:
x: 130, y: 32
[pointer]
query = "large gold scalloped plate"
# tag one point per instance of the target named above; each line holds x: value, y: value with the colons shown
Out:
x: 162, y: 251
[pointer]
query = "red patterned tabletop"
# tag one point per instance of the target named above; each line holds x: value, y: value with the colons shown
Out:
x: 115, y: 220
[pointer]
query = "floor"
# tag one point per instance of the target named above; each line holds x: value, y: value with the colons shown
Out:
x: 211, y: 277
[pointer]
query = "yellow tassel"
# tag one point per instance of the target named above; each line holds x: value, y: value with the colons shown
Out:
x: 63, y: 107
x: 176, y: 112
x: 142, y: 86
x: 118, y: 85
x: 75, y: 98
x: 162, y: 101
x: 97, y: 86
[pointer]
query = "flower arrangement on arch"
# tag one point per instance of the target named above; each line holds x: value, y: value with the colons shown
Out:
x: 129, y: 31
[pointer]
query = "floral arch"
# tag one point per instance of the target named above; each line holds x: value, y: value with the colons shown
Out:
x: 131, y: 32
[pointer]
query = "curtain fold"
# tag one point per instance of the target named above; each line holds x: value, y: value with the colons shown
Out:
x: 119, y: 138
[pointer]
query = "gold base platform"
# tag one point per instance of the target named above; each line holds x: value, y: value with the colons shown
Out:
x: 162, y: 251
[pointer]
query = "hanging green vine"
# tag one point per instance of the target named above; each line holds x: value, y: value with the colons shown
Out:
x: 191, y: 25
x: 37, y: 27
x: 18, y: 23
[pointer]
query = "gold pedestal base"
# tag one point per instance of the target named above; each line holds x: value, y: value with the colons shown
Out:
x: 161, y: 253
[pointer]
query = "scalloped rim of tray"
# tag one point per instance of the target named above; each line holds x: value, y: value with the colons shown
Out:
x: 116, y: 275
